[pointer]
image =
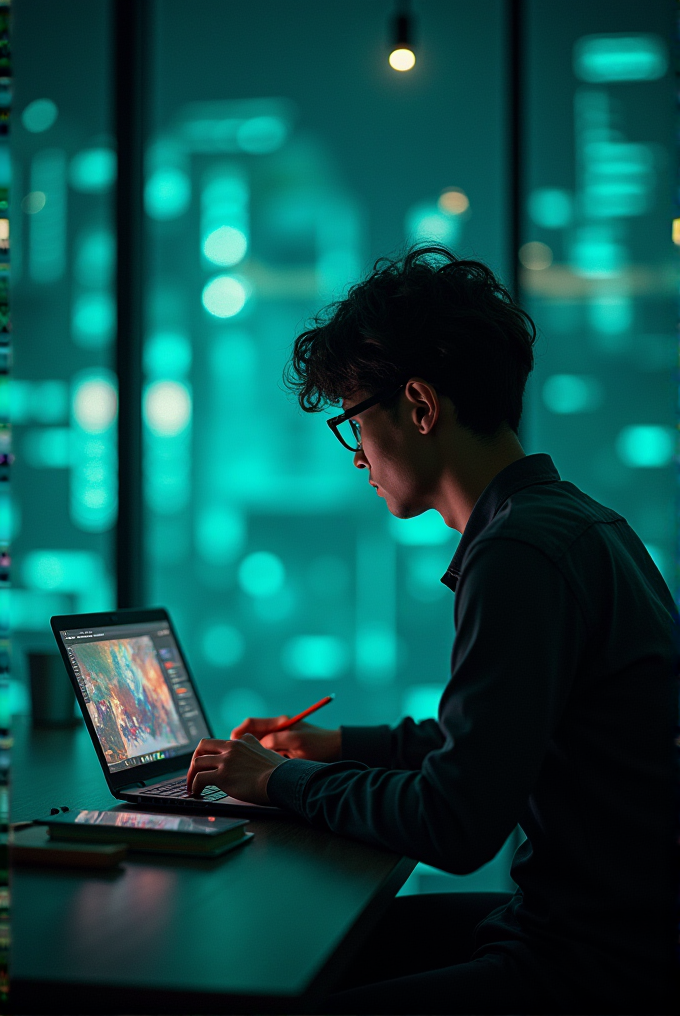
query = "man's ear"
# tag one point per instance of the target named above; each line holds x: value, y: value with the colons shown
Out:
x: 424, y: 405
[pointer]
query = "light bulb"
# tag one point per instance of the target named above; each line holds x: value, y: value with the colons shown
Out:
x: 402, y: 59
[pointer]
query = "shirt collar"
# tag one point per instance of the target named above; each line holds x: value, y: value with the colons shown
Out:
x: 522, y: 473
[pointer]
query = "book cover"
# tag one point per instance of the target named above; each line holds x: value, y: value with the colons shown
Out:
x: 151, y: 831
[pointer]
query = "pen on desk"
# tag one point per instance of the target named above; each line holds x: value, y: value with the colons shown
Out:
x: 300, y: 716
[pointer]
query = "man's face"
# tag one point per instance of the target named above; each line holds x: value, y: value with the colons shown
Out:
x: 395, y: 454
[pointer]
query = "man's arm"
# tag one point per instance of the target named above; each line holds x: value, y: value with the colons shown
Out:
x: 520, y: 636
x: 404, y: 747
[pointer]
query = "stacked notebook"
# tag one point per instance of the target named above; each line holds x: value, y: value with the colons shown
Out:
x: 204, y: 836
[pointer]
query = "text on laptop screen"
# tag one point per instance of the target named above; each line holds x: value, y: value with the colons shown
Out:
x: 137, y: 691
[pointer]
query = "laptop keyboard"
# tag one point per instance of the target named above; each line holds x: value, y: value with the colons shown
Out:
x: 177, y: 789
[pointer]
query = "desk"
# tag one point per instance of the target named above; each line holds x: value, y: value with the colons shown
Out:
x: 266, y: 928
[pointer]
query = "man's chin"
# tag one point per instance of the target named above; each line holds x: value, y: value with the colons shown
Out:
x: 402, y: 511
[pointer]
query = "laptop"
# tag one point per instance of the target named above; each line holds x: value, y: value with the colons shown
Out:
x: 141, y: 707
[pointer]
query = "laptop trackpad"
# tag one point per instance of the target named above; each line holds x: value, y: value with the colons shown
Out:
x: 242, y: 804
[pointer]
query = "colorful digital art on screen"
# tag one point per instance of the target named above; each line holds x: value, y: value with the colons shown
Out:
x: 129, y: 700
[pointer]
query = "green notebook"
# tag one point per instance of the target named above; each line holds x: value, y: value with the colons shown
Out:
x: 205, y: 836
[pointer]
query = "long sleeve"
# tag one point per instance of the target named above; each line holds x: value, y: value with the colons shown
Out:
x: 405, y: 747
x: 509, y: 683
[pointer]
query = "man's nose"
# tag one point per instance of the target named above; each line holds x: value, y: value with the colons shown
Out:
x: 360, y: 460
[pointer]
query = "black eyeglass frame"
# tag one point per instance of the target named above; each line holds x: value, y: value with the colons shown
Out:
x: 335, y: 421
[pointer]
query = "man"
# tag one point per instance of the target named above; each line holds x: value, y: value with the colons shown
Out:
x: 561, y: 709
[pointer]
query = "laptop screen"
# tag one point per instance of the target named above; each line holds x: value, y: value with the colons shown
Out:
x: 138, y: 693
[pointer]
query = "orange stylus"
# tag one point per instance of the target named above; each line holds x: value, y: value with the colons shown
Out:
x: 300, y: 716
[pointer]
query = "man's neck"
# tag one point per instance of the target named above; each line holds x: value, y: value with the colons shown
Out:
x: 469, y: 468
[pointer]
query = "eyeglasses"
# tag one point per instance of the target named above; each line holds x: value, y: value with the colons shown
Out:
x: 347, y: 429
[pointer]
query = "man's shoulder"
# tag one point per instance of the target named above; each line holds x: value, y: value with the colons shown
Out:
x: 550, y: 516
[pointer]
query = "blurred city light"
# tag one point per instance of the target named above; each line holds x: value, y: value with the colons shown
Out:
x: 261, y: 574
x: 95, y: 257
x: 95, y: 405
x: 93, y: 170
x: 645, y: 447
x: 421, y: 701
x: 423, y: 530
x: 535, y: 255
x: 224, y: 296
x: 93, y: 320
x: 571, y: 393
x: 167, y: 407
x: 34, y: 202
x: 167, y: 194
x: 261, y: 134
x: 167, y: 355
x: 551, y: 207
x: 223, y: 646
x: 225, y: 246
x: 454, y: 201
x: 402, y: 59
x: 315, y: 657
x: 599, y: 58
x: 39, y: 115
x: 427, y: 223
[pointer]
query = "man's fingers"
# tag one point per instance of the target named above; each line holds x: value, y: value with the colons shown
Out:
x: 199, y: 763
x: 257, y: 726
x: 201, y: 781
x: 278, y: 742
x: 207, y: 762
x: 208, y: 745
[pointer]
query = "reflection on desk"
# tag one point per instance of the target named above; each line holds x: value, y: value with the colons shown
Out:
x: 249, y: 932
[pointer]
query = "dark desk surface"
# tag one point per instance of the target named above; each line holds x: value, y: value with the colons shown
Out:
x: 269, y: 923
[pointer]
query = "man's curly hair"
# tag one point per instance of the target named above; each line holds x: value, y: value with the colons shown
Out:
x: 429, y: 314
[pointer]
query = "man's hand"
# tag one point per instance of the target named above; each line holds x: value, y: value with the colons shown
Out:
x: 241, y: 768
x: 304, y: 740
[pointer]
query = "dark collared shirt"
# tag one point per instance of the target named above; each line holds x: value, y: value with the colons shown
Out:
x: 559, y: 716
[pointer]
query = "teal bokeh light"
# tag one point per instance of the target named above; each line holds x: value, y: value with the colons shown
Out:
x: 261, y: 135
x: 167, y: 408
x: 261, y: 574
x: 39, y: 115
x: 64, y: 570
x: 35, y: 401
x: 224, y: 296
x: 571, y: 393
x: 225, y: 246
x: 315, y: 657
x: 167, y: 355
x: 611, y: 314
x: 595, y: 254
x: 48, y: 447
x: 645, y: 446
x: 93, y: 320
x: 427, y: 223
x: 423, y: 530
x: 421, y: 701
x: 551, y: 207
x: 377, y: 653
x: 93, y: 170
x: 620, y: 57
x: 95, y: 258
x: 95, y: 404
x: 167, y: 194
x: 223, y: 645
x: 220, y: 534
